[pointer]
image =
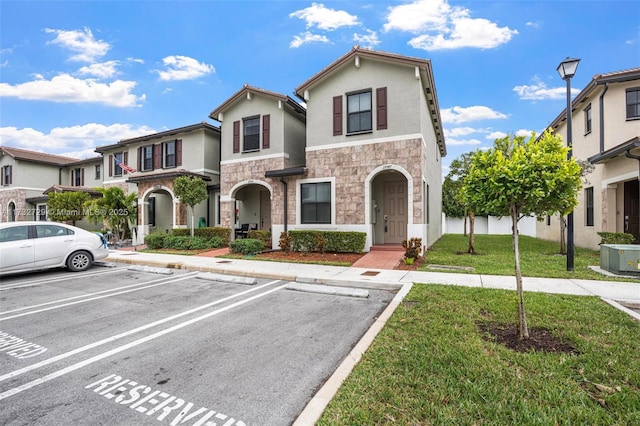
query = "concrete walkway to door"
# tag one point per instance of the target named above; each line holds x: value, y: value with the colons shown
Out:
x: 385, y: 256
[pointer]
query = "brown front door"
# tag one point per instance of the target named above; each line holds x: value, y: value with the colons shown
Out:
x: 631, y: 209
x: 395, y: 212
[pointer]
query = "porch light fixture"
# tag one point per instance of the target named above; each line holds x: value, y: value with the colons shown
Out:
x: 567, y: 69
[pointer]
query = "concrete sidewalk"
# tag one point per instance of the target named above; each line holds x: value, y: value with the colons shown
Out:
x: 377, y: 278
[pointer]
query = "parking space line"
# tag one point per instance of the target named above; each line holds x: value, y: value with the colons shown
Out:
x: 53, y: 280
x: 140, y: 286
x: 119, y: 349
x: 128, y: 333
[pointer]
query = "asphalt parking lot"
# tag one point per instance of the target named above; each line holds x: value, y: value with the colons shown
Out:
x: 121, y: 347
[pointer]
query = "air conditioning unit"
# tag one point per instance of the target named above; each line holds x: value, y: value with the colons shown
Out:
x: 620, y: 258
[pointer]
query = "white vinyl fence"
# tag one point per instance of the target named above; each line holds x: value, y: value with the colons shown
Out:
x: 491, y: 225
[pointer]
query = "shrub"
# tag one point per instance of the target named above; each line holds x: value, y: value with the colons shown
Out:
x: 155, y: 241
x: 246, y: 246
x: 260, y: 234
x: 285, y: 242
x: 331, y: 241
x: 412, y: 248
x: 208, y: 233
x: 616, y: 238
x: 186, y: 243
x: 217, y: 242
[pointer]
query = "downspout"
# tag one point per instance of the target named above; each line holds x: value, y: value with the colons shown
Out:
x: 606, y: 87
x: 286, y: 201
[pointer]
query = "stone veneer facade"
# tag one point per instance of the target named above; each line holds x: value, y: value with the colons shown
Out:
x: 18, y: 196
x: 252, y: 172
x: 143, y: 186
x: 351, y: 165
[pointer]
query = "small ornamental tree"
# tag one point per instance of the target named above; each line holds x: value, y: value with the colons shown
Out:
x: 190, y: 190
x: 117, y: 210
x: 66, y: 206
x: 453, y: 202
x: 521, y: 178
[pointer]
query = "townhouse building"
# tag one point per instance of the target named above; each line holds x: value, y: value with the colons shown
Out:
x: 26, y: 177
x: 148, y: 165
x: 360, y: 151
x: 606, y: 133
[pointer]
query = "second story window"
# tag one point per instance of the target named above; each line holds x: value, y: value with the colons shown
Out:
x: 633, y: 103
x: 359, y: 112
x: 251, y: 134
x: 170, y: 154
x: 587, y: 119
x: 117, y: 160
x: 147, y: 157
x: 98, y: 171
x: 6, y: 175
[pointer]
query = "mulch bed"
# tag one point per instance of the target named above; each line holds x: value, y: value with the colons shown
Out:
x: 292, y: 256
x: 540, y: 339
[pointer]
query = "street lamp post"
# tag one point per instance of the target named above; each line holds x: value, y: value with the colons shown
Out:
x: 567, y: 69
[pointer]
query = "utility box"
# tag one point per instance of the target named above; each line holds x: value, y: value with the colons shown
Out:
x: 620, y: 258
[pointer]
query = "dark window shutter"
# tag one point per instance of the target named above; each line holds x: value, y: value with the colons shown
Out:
x: 82, y: 177
x: 140, y: 151
x: 266, y: 131
x: 381, y: 108
x: 157, y: 156
x: 125, y: 160
x: 110, y: 165
x: 2, y: 175
x: 337, y: 115
x: 178, y: 152
x: 73, y: 175
x: 10, y: 175
x: 236, y: 136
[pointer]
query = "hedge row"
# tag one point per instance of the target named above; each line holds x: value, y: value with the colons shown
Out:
x: 260, y: 234
x: 616, y: 238
x: 246, y: 246
x: 207, y: 233
x: 327, y: 241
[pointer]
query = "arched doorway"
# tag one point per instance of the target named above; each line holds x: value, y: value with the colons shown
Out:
x: 158, y: 211
x: 11, y: 212
x: 252, y: 205
x: 390, y: 199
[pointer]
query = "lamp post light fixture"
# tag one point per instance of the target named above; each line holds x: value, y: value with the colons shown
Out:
x: 567, y: 69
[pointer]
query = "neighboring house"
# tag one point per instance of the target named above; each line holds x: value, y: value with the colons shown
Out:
x: 374, y: 148
x: 605, y: 132
x: 148, y: 165
x: 263, y: 142
x: 26, y: 176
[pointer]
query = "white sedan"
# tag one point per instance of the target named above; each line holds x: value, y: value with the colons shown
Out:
x: 27, y: 246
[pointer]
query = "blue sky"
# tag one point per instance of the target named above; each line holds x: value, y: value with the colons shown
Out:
x: 75, y: 75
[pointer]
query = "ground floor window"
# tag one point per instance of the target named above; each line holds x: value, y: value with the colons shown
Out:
x: 315, y: 202
x: 588, y: 196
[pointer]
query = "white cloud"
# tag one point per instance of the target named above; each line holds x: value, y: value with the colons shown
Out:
x: 76, y: 141
x: 369, y: 40
x: 66, y: 88
x: 461, y: 142
x: 460, y: 131
x: 496, y: 135
x: 307, y: 37
x: 539, y: 91
x: 536, y: 24
x: 440, y: 26
x: 86, y: 47
x: 525, y: 132
x: 139, y: 61
x: 459, y: 114
x: 100, y: 70
x: 319, y: 16
x: 183, y: 68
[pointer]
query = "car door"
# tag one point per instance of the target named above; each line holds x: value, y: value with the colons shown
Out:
x: 52, y: 245
x: 16, y: 248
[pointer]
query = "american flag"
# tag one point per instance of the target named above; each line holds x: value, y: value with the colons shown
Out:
x: 126, y: 168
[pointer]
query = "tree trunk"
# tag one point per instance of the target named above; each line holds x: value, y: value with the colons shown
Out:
x: 465, y: 225
x: 472, y: 242
x: 192, y: 218
x: 522, y: 315
x: 563, y: 236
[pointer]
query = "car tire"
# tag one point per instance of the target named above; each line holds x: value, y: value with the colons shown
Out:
x: 79, y: 261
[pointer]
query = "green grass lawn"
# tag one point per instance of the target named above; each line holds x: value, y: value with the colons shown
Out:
x: 430, y: 365
x: 494, y: 255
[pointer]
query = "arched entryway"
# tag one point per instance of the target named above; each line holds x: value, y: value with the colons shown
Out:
x: 390, y: 198
x: 11, y: 212
x: 158, y: 211
x: 251, y: 204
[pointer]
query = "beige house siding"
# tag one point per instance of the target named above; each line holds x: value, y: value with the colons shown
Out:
x: 608, y: 177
